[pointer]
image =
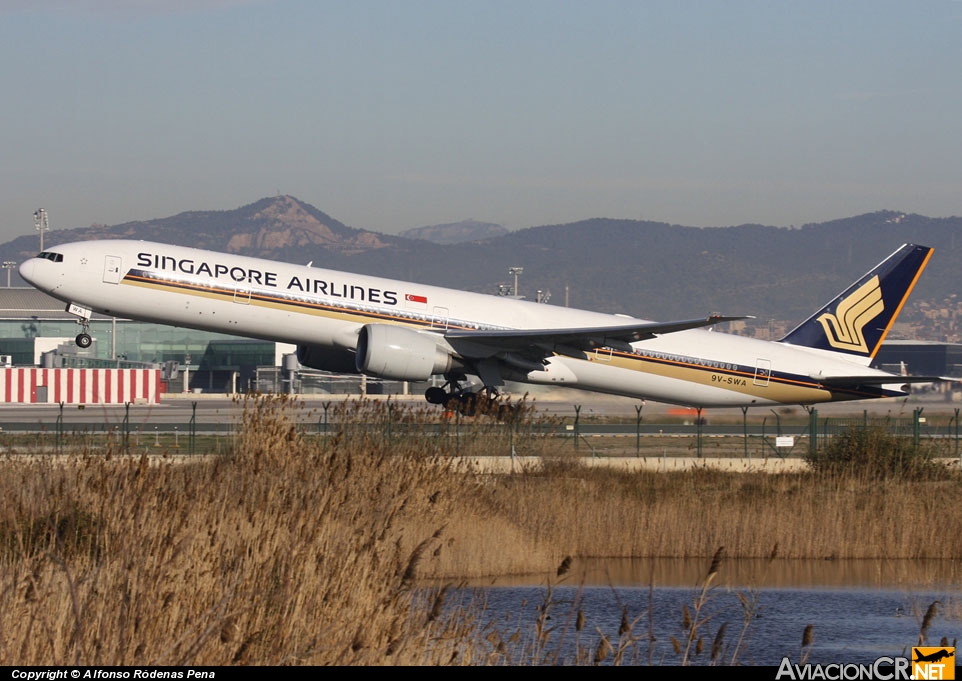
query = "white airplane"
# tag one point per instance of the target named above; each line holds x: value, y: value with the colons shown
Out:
x: 352, y: 323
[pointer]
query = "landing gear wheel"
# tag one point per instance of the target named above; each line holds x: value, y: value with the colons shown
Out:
x: 83, y: 340
x: 476, y: 403
x: 436, y: 395
x: 467, y: 403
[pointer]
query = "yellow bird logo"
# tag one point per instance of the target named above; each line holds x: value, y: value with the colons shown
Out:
x: 844, y: 328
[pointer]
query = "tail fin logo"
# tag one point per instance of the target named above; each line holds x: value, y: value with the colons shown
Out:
x: 843, y: 330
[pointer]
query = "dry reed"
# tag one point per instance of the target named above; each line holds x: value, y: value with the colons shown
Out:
x: 307, y: 547
x: 595, y: 512
x: 286, y: 551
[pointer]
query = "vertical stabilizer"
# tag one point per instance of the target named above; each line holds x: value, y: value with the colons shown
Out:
x: 857, y: 321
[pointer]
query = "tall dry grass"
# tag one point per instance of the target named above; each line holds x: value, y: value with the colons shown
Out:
x: 596, y: 512
x: 286, y: 551
x: 306, y: 548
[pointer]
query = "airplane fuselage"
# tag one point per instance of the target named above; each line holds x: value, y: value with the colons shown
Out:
x: 321, y: 308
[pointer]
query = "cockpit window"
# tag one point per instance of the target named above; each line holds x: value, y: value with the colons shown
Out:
x: 51, y: 256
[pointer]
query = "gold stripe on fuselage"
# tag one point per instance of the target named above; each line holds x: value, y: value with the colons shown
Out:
x: 778, y: 389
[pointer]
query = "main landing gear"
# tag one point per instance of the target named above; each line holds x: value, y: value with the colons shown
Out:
x: 467, y: 402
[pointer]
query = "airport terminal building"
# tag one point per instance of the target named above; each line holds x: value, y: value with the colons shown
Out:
x: 36, y: 331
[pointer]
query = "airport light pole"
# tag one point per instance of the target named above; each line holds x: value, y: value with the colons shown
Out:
x: 8, y: 265
x: 516, y: 271
x: 41, y: 224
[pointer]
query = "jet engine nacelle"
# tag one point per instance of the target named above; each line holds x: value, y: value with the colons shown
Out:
x: 327, y: 359
x: 400, y: 353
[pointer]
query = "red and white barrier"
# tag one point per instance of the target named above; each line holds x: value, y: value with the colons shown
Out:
x: 80, y: 386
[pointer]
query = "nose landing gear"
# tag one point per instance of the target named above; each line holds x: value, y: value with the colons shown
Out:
x: 83, y: 339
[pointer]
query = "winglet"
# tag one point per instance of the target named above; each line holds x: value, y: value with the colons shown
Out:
x: 857, y: 321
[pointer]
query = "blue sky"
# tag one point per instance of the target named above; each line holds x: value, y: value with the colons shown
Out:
x: 396, y: 114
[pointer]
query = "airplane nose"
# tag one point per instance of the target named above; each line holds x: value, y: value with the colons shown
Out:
x: 26, y: 269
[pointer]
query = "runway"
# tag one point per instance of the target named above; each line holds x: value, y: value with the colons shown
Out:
x: 620, y: 415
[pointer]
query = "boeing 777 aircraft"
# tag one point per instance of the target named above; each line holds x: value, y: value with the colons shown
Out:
x: 352, y: 323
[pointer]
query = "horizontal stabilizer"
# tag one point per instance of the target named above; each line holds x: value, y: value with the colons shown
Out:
x: 876, y: 379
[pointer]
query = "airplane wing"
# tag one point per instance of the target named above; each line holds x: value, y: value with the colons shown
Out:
x: 576, y: 340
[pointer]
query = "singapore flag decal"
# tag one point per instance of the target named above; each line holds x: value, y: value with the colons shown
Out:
x: 415, y: 301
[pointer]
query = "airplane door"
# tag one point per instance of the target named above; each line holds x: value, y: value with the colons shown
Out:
x: 603, y: 354
x: 112, y: 269
x: 242, y: 294
x: 763, y: 372
x: 439, y: 320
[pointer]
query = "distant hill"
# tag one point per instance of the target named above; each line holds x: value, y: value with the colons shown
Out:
x: 456, y: 232
x: 649, y: 269
x: 277, y: 227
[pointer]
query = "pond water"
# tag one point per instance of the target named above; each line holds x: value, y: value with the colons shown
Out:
x: 859, y: 611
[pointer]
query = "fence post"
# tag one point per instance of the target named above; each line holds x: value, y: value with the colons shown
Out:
x: 126, y: 427
x: 638, y: 408
x: 957, y: 437
x: 745, y: 432
x: 916, y: 426
x: 326, y: 406
x: 698, y: 429
x: 60, y: 430
x: 192, y: 428
x: 390, y: 418
x: 577, y: 425
x: 813, y: 434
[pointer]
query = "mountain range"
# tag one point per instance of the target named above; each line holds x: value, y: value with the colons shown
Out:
x: 652, y: 270
x: 456, y: 232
